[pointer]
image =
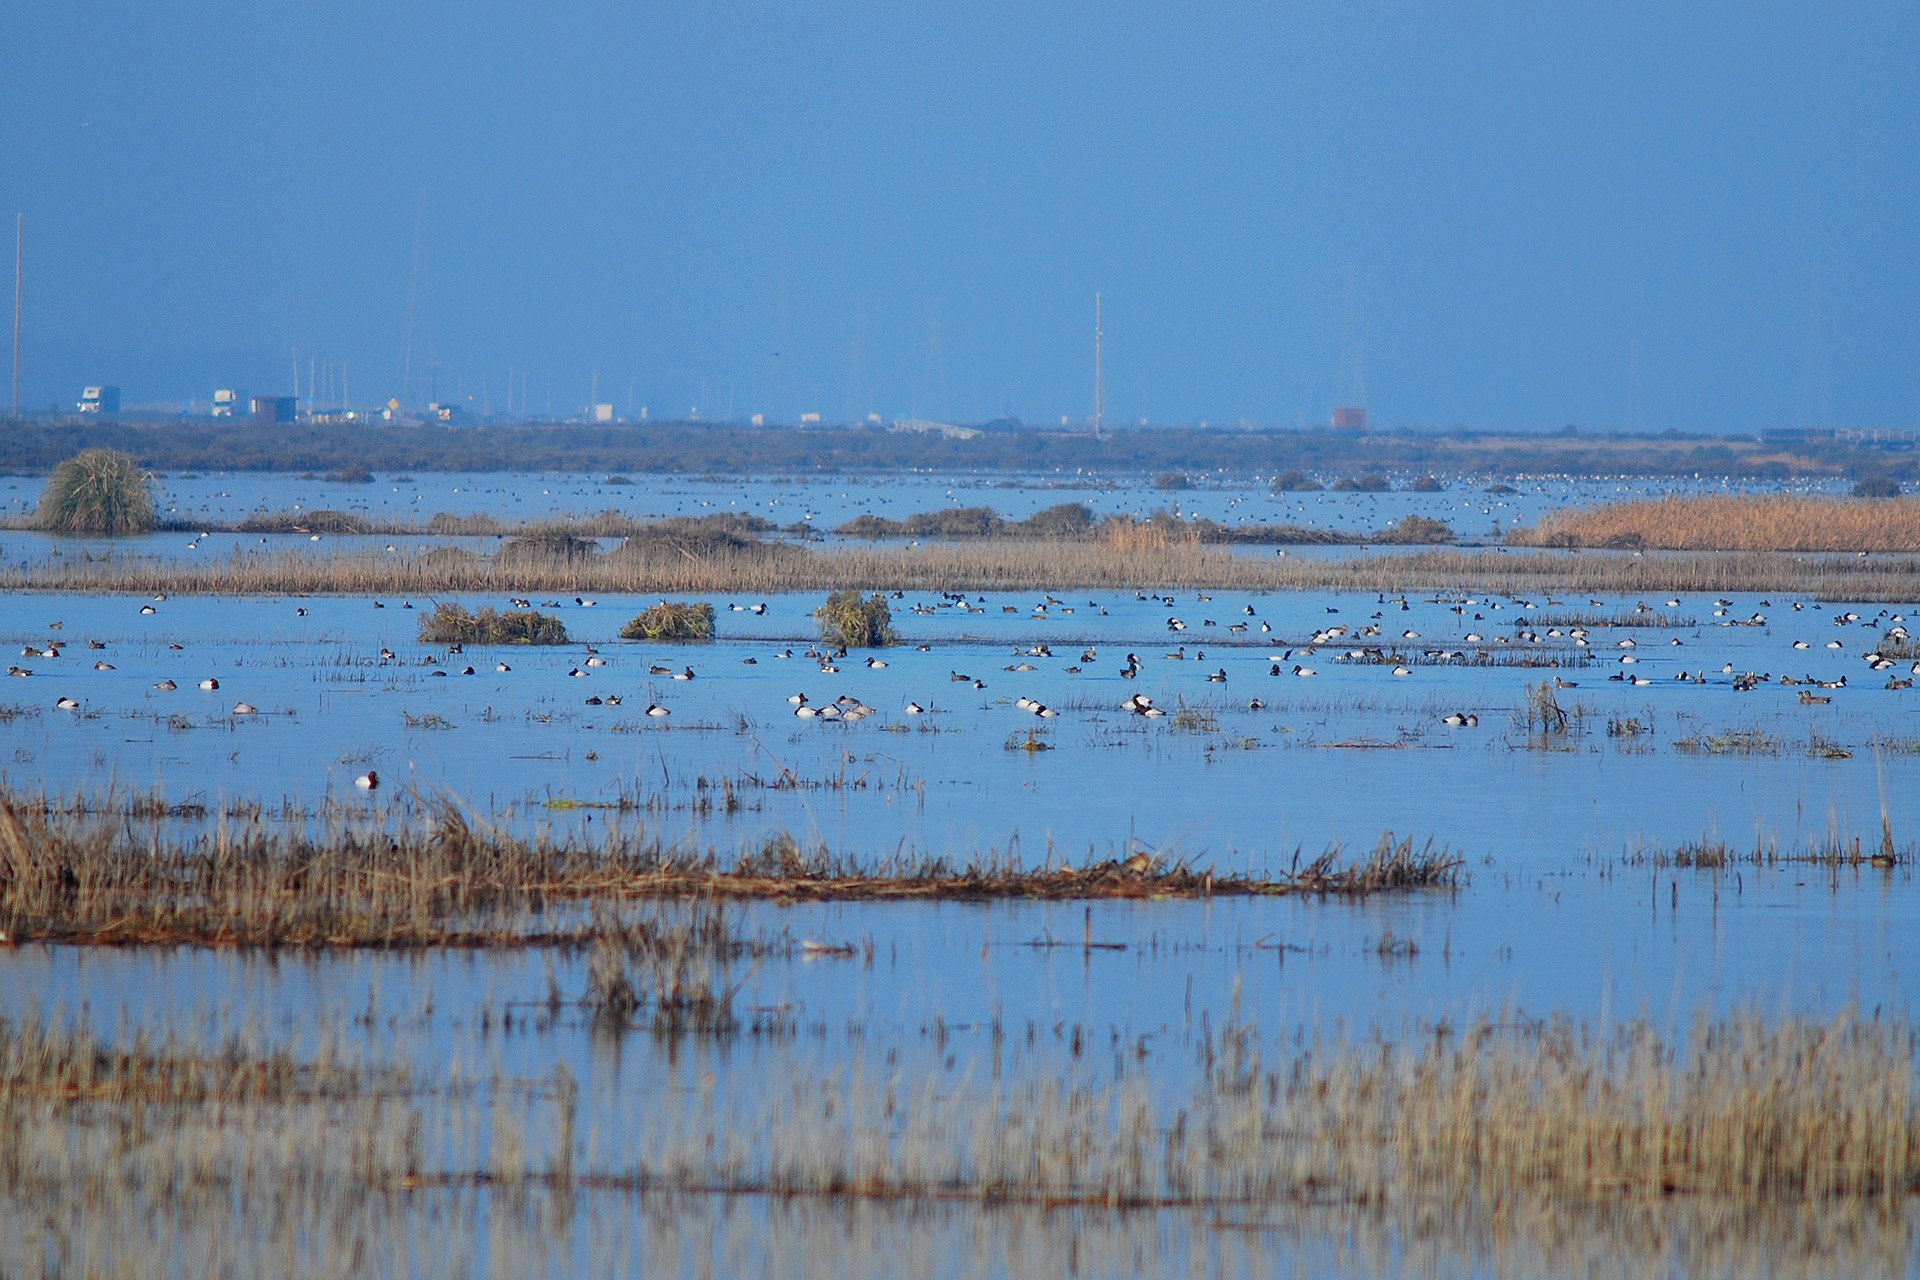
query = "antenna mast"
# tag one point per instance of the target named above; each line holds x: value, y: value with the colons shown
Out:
x: 1097, y: 371
x: 19, y: 248
x: 1636, y: 415
x: 1816, y: 387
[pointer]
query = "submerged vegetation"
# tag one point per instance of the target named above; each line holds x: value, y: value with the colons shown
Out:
x: 97, y: 491
x: 1748, y: 1146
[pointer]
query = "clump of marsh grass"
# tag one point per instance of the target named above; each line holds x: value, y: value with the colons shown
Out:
x: 671, y: 620
x: 847, y: 619
x: 673, y: 965
x: 1542, y: 712
x: 451, y: 624
x: 91, y: 872
x: 97, y: 491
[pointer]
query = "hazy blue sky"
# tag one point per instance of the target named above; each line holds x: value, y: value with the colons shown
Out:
x: 711, y: 204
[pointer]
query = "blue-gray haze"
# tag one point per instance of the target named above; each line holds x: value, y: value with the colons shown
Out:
x: 908, y: 209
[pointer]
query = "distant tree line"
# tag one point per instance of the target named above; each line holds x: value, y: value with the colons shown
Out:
x: 1176, y: 455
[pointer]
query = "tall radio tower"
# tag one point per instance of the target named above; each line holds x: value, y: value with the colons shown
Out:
x: 19, y: 259
x: 1097, y: 371
x: 1816, y: 388
x: 1636, y: 414
x: 1350, y: 381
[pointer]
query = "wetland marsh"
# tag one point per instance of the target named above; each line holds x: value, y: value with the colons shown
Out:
x: 1161, y: 908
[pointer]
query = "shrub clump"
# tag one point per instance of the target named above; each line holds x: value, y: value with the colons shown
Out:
x: 98, y: 491
x: 1427, y: 484
x: 1295, y: 481
x: 1371, y: 482
x: 350, y: 473
x: 1416, y: 531
x: 1876, y: 487
x: 1067, y: 520
x: 848, y: 620
x: 1172, y: 480
x: 671, y: 620
x: 546, y: 547
x: 452, y: 624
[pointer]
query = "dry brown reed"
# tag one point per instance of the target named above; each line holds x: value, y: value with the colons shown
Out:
x: 1139, y: 560
x: 1734, y: 522
x: 1749, y: 1146
x: 81, y: 872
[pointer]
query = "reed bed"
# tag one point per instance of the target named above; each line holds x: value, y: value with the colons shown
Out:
x: 1748, y: 1146
x: 1142, y: 560
x: 1730, y: 522
x: 81, y: 873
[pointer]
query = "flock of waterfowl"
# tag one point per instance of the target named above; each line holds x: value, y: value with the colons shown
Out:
x: 1487, y: 627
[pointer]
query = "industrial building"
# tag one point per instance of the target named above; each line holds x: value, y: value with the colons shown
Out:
x: 274, y: 409
x: 100, y: 400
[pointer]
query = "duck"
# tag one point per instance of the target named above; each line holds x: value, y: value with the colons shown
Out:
x: 166, y: 686
x: 657, y: 711
x: 67, y: 704
x: 502, y: 667
x: 210, y: 684
x: 148, y: 610
x: 686, y: 674
x: 914, y: 709
x: 103, y: 666
x: 244, y: 709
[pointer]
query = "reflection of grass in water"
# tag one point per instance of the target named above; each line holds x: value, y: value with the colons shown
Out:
x: 1731, y: 742
x: 1835, y: 850
x: 1748, y: 1146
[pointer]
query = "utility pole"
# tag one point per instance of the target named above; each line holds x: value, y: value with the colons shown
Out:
x: 1097, y: 371
x: 19, y: 248
x: 1636, y: 415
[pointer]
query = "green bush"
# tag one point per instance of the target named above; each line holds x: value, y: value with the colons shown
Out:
x: 451, y: 624
x: 858, y: 624
x: 671, y: 620
x: 1876, y: 487
x: 97, y: 491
